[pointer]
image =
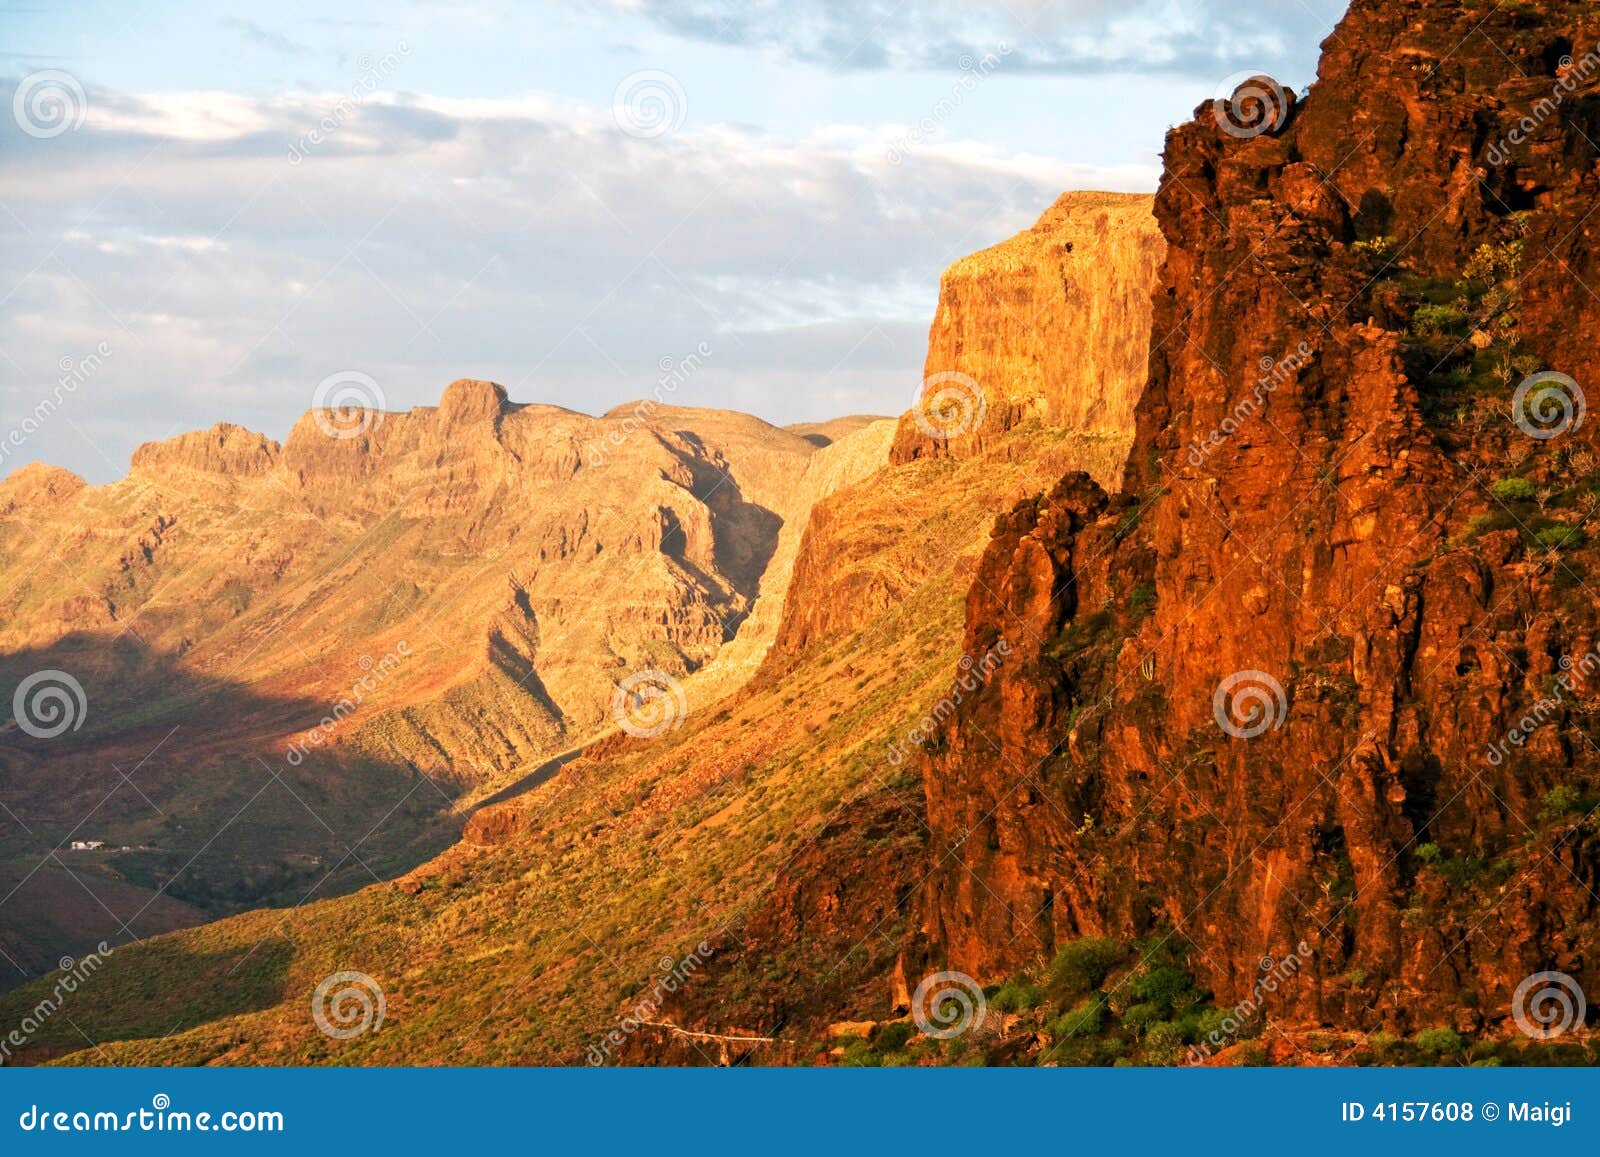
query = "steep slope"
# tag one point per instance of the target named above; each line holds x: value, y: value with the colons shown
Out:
x: 1052, y: 325
x: 532, y: 939
x: 303, y: 656
x: 1323, y: 674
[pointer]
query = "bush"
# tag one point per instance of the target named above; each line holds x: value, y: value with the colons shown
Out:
x: 1086, y: 1018
x: 1514, y: 490
x: 1162, y: 986
x: 1438, y: 1042
x: 1562, y: 801
x: 1430, y: 853
x: 1083, y: 965
x: 892, y: 1037
x: 1434, y: 320
x: 1559, y: 537
x: 1016, y: 996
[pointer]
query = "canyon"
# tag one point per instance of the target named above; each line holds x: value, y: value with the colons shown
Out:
x: 1225, y: 603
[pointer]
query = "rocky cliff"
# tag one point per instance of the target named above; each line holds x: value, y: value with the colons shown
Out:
x: 454, y: 592
x: 1324, y: 670
x: 1052, y: 325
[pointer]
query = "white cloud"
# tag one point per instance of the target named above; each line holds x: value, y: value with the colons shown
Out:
x: 423, y: 239
x: 1054, y: 36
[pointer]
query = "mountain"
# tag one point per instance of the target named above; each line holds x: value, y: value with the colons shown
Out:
x: 1235, y: 710
x: 309, y: 660
x: 569, y: 886
x: 1318, y: 681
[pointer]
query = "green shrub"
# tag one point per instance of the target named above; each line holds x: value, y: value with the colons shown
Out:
x: 1562, y: 801
x: 1083, y: 965
x: 1016, y: 996
x: 1086, y: 1018
x: 1438, y: 1042
x: 1141, y: 1016
x: 892, y: 1037
x: 1435, y: 320
x: 1161, y: 986
x: 1514, y: 490
x: 1559, y: 537
x: 1430, y: 853
x: 1164, y: 1036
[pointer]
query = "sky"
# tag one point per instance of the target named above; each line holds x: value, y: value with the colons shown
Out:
x: 211, y: 212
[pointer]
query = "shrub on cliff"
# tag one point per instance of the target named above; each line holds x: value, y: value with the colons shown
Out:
x: 1083, y: 965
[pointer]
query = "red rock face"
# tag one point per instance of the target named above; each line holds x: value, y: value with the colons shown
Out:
x: 1333, y: 518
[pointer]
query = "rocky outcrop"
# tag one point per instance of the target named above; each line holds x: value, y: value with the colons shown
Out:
x: 1051, y: 326
x: 223, y: 449
x: 454, y: 591
x: 1325, y: 670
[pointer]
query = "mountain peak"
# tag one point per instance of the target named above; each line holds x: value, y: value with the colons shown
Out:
x: 471, y: 400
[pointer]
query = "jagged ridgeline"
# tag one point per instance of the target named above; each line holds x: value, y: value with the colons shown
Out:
x: 1205, y: 668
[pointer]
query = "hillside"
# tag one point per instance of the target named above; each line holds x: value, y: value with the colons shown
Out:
x: 527, y: 940
x: 310, y: 659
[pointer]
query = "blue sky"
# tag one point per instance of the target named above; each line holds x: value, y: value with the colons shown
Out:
x: 245, y: 199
